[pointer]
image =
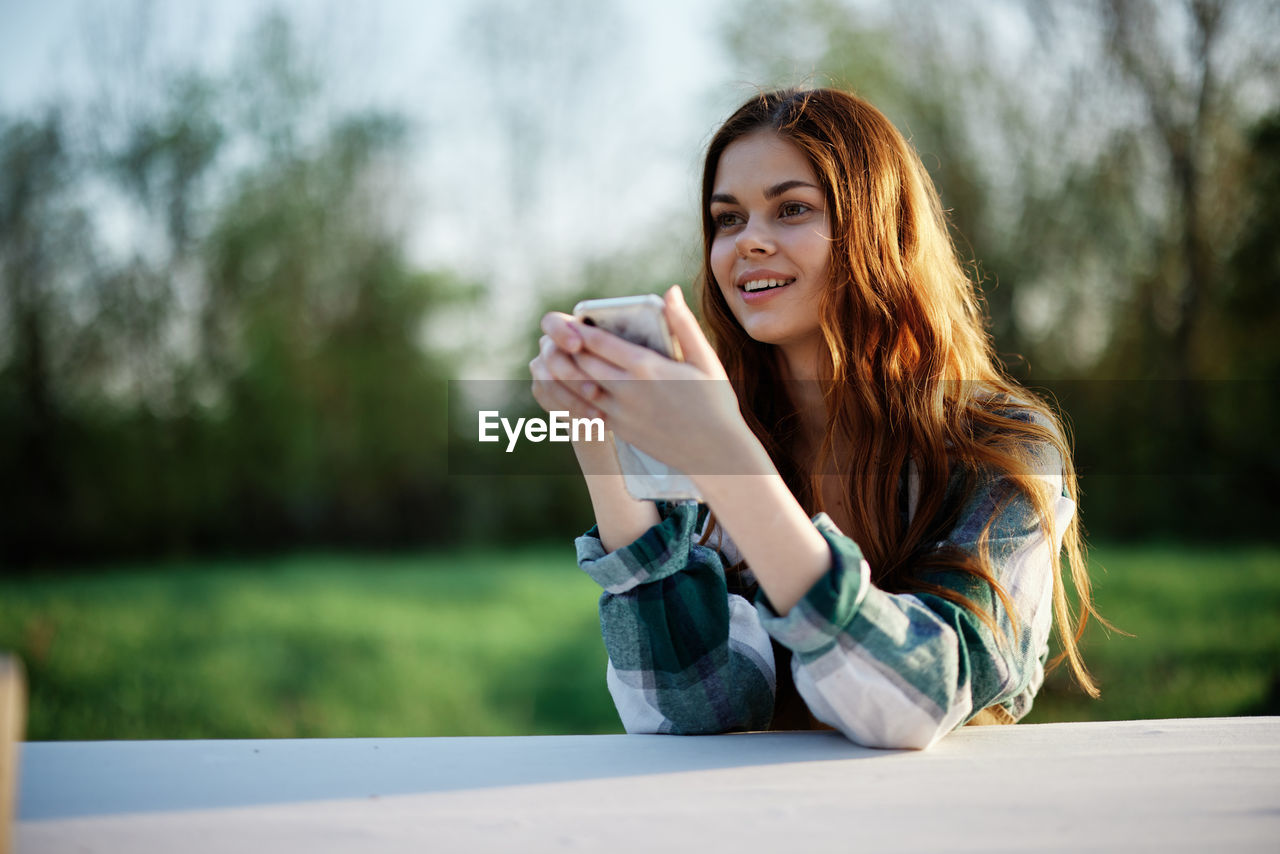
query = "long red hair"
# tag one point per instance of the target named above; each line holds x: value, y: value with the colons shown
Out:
x: 909, y: 372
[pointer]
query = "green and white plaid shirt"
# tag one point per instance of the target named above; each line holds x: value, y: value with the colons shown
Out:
x: 688, y: 656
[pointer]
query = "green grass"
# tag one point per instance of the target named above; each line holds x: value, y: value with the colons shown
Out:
x: 507, y: 642
x: 467, y: 643
x: 1205, y: 626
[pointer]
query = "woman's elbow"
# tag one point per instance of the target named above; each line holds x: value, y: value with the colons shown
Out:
x: 874, y: 713
x: 901, y: 738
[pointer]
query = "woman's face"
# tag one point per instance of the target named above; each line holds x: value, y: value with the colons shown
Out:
x: 771, y: 244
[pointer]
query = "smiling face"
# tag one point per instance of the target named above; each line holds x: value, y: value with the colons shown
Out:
x: 771, y: 245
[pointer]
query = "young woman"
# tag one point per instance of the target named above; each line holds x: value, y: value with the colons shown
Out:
x: 885, y: 509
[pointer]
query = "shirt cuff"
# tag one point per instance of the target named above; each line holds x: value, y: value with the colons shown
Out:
x: 661, y: 551
x: 817, y: 620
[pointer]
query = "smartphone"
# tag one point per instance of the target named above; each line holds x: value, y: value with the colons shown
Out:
x: 641, y: 320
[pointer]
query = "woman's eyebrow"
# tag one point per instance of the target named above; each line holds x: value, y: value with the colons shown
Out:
x: 778, y: 189
x: 770, y: 194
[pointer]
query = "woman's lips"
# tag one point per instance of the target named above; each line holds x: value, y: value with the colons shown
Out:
x: 761, y: 278
x: 766, y: 284
x: 764, y: 294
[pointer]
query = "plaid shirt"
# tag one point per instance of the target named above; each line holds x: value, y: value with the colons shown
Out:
x: 687, y: 655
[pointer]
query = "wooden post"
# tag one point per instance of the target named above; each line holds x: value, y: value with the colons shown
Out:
x: 13, y: 722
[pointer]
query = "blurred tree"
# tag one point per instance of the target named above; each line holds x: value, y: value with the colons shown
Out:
x: 540, y: 76
x: 1178, y: 87
x: 1251, y: 302
x: 537, y: 64
x: 44, y: 239
x: 216, y: 338
x: 334, y: 412
x: 1185, y: 71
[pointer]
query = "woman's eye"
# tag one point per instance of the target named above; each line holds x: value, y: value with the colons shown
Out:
x: 793, y: 209
x: 727, y: 220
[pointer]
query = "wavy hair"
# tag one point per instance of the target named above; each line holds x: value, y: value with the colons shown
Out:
x: 909, y: 368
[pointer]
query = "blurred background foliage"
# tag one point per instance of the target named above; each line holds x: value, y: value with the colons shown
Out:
x: 247, y: 371
x: 213, y: 341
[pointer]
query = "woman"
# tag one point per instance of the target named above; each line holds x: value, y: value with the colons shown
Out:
x: 886, y: 507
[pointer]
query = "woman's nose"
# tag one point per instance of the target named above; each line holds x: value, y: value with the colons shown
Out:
x: 754, y: 239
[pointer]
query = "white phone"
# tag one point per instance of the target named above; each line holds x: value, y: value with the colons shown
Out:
x: 641, y: 320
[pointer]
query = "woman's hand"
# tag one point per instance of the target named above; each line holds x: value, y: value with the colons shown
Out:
x: 686, y: 415
x: 681, y: 413
x: 558, y: 383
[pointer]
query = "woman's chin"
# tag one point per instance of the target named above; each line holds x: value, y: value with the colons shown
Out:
x: 771, y: 333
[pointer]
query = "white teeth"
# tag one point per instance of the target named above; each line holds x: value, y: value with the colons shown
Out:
x: 765, y: 284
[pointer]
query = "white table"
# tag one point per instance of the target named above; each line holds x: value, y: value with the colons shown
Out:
x: 1192, y: 785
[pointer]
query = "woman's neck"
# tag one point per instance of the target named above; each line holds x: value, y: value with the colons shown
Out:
x: 799, y: 360
x: 800, y: 377
x: 799, y: 369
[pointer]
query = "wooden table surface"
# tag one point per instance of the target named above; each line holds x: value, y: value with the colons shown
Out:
x: 1187, y: 785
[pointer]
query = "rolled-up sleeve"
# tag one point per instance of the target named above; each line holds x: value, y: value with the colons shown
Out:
x: 902, y: 670
x: 685, y: 655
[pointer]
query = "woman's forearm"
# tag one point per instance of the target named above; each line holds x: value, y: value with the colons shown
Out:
x: 770, y: 528
x: 619, y: 517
